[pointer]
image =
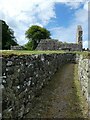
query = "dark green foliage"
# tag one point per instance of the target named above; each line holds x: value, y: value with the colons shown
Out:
x: 8, y: 38
x: 28, y: 46
x: 35, y: 34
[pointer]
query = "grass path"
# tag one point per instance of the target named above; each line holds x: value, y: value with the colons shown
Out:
x: 61, y: 98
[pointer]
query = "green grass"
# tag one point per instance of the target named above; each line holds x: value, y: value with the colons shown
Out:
x: 27, y: 52
x: 84, y: 53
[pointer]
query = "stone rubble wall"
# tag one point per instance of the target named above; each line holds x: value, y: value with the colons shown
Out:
x: 17, y: 47
x: 23, y: 78
x: 50, y: 44
x: 84, y: 75
x: 72, y: 46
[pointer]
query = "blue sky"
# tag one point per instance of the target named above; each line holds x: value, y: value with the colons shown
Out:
x: 61, y: 17
x: 64, y: 15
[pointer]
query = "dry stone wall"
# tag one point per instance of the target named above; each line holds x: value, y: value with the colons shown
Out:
x: 25, y: 75
x: 84, y: 75
x: 23, y: 78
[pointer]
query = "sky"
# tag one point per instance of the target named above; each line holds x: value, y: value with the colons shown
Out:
x: 60, y: 17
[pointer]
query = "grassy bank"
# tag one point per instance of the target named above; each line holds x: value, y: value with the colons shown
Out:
x: 26, y: 52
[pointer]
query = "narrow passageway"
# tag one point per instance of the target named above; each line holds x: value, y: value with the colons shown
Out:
x: 61, y: 98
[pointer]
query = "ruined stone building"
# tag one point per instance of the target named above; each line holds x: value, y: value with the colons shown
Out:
x: 51, y: 44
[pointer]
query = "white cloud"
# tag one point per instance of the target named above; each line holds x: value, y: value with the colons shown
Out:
x: 65, y: 34
x: 85, y: 44
x: 21, y: 14
x: 87, y: 5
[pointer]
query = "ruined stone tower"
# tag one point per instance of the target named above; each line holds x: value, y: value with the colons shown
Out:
x: 79, y: 36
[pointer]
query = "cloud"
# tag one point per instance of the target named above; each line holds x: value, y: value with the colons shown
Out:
x: 21, y: 14
x: 85, y: 44
x: 65, y: 34
x: 87, y: 5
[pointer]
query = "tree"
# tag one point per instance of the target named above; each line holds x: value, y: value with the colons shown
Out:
x: 35, y: 34
x: 28, y: 46
x: 8, y: 38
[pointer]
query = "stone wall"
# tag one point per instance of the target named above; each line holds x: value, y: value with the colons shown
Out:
x: 17, y: 47
x: 23, y: 78
x: 84, y: 75
x: 48, y: 44
x: 72, y: 46
x: 51, y: 44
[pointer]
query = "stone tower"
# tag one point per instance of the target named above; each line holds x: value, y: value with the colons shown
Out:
x: 79, y: 36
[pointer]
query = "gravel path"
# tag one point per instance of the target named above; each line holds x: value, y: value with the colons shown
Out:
x: 60, y: 98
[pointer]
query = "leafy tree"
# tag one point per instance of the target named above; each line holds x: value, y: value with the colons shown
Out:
x: 8, y: 38
x: 35, y: 34
x: 28, y: 46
